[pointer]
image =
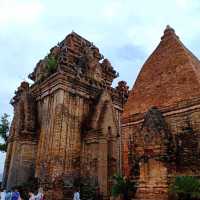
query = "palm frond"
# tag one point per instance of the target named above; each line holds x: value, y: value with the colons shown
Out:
x: 186, y: 186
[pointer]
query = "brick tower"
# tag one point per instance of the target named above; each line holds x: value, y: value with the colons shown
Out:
x: 161, y: 124
x: 66, y: 124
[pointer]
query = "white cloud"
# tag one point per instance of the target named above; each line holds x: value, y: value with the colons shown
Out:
x: 112, y: 9
x: 182, y: 3
x: 20, y: 12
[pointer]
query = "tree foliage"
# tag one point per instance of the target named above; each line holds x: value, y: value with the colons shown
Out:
x: 123, y: 186
x: 51, y: 64
x: 4, y: 128
x: 88, y: 187
x: 186, y: 188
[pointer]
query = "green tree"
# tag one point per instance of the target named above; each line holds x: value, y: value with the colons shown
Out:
x: 186, y: 188
x: 88, y: 187
x: 4, y: 128
x: 123, y: 186
x: 51, y: 64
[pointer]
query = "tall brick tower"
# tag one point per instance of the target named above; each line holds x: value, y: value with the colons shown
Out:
x: 66, y: 124
x: 161, y: 120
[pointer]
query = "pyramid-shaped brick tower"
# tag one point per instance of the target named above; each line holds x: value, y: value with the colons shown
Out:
x: 161, y: 119
x: 171, y: 74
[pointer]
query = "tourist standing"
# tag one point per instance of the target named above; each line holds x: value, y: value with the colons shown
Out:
x: 31, y: 195
x: 3, y: 194
x: 8, y: 195
x: 15, y: 195
x: 76, y: 195
x: 40, y: 195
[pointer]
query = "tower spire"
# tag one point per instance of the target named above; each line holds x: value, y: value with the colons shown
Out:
x: 169, y: 32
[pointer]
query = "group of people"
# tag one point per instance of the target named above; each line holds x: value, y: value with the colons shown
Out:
x: 15, y: 195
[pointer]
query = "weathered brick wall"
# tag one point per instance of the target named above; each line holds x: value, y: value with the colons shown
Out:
x: 22, y: 164
x: 181, y: 157
x: 185, y: 128
x: 100, y: 148
x: 60, y: 133
x: 22, y: 142
x: 68, y: 145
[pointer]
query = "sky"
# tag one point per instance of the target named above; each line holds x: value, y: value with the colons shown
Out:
x: 126, y: 32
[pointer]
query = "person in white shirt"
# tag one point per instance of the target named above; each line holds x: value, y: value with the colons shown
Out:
x: 76, y: 195
x: 3, y: 194
x: 40, y: 194
x: 31, y: 195
x: 8, y: 195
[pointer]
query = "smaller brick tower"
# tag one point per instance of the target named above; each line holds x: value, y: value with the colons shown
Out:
x: 161, y: 123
